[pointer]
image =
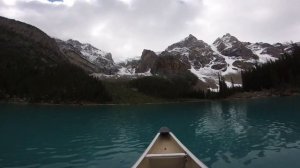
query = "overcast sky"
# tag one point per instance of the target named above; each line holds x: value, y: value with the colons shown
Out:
x: 126, y: 27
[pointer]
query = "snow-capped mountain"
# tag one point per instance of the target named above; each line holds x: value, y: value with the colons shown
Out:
x: 196, y: 52
x: 90, y: 52
x: 226, y: 56
x: 96, y: 60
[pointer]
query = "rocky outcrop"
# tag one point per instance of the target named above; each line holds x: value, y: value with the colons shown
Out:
x: 169, y: 65
x: 146, y: 62
x: 243, y: 65
x: 221, y: 66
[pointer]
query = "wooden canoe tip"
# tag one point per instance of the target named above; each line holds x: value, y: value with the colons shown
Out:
x: 164, y: 130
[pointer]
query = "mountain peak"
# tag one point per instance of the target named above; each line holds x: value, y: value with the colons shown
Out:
x: 227, y: 35
x: 188, y: 43
x: 227, y: 38
x: 190, y: 38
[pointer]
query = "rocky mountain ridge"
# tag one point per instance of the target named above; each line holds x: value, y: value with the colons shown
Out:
x: 88, y: 57
x: 226, y: 56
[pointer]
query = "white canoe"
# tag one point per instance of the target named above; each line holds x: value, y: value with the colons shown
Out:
x: 166, y: 151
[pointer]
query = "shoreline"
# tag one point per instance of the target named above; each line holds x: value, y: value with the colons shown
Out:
x: 105, y: 104
x: 263, y: 94
x: 234, y: 97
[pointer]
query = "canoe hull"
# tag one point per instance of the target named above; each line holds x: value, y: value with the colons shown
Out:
x: 166, y: 151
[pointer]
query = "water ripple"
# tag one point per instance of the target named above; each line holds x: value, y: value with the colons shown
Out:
x: 264, y: 133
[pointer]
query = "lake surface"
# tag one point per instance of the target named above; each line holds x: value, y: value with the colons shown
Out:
x: 234, y: 134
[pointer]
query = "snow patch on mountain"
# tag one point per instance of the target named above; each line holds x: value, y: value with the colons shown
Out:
x: 228, y: 60
x: 123, y: 73
x: 205, y: 73
x: 259, y: 51
x: 136, y: 58
x: 92, y: 53
x: 158, y: 52
x: 131, y: 72
x: 229, y: 84
x: 126, y: 71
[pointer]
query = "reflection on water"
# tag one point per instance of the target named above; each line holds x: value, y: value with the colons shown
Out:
x: 256, y: 133
x: 239, y: 133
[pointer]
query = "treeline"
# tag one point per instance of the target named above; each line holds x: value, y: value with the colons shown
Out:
x: 58, y: 84
x: 180, y: 86
x: 224, y: 89
x: 281, y: 74
x: 174, y: 87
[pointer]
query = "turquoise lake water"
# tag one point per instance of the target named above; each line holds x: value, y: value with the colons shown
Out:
x: 223, y: 134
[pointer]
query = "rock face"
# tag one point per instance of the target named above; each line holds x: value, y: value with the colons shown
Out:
x: 169, y: 65
x: 147, y: 60
x: 230, y: 46
x: 88, y: 57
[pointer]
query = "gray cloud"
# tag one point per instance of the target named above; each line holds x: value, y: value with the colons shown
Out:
x: 126, y: 27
